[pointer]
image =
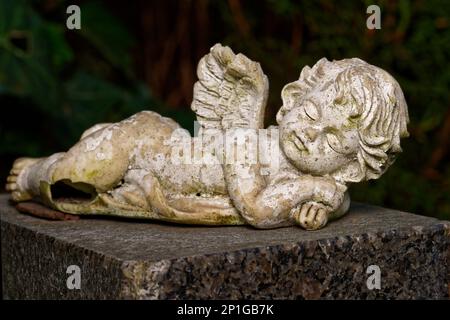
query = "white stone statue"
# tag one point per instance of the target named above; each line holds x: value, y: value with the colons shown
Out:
x: 340, y: 123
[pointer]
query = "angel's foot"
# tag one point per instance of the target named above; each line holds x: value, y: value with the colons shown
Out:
x: 12, y: 185
x: 311, y: 216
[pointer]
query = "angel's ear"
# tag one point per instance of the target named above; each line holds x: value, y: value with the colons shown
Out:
x: 280, y: 115
x: 290, y: 94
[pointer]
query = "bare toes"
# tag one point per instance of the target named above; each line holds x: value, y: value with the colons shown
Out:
x: 11, y: 187
x: 19, y: 166
x: 18, y: 196
x: 20, y: 163
x: 15, y: 171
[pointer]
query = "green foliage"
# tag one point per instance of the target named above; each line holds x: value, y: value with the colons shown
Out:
x: 107, y: 34
x: 64, y: 91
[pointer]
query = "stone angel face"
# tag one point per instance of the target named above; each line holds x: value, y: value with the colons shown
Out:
x: 343, y: 118
x: 340, y: 122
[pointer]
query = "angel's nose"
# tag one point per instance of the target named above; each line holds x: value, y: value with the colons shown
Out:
x: 312, y: 133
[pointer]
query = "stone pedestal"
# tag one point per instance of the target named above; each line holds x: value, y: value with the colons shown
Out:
x: 129, y: 259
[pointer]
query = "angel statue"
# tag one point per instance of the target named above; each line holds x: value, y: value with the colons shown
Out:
x: 340, y: 123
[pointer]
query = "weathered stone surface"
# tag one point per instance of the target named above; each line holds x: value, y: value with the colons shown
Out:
x: 138, y: 259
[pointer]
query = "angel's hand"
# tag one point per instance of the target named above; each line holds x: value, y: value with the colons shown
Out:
x: 328, y: 196
x: 311, y: 215
x: 328, y: 192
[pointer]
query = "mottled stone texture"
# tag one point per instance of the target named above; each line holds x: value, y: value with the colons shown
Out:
x: 142, y: 260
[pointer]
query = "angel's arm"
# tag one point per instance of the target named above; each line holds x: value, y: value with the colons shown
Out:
x: 269, y: 205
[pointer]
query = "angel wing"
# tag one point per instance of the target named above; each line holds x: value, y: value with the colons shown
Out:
x: 231, y: 91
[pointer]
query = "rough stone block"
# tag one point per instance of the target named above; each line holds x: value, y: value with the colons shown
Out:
x: 146, y: 260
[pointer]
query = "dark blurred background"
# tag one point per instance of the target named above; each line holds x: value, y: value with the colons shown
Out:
x: 136, y: 55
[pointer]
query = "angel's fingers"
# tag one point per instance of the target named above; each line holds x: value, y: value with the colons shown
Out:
x: 311, y: 216
x: 321, y: 218
x: 312, y: 211
x: 304, y: 213
x: 296, y: 214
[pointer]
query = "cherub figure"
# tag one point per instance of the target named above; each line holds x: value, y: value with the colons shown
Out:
x: 340, y: 123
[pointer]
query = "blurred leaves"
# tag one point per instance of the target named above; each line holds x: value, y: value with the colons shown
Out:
x: 41, y: 74
x: 107, y: 34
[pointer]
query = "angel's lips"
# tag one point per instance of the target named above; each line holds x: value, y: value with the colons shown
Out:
x: 298, y: 143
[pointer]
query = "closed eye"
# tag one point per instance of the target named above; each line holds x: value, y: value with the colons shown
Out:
x: 311, y: 111
x: 334, y: 143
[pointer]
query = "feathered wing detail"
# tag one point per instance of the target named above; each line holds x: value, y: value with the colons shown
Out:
x: 231, y: 91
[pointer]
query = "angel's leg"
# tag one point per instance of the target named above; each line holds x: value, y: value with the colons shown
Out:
x: 79, y: 181
x: 139, y: 196
x: 142, y: 190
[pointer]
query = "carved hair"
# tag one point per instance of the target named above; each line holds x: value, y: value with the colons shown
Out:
x: 377, y: 106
